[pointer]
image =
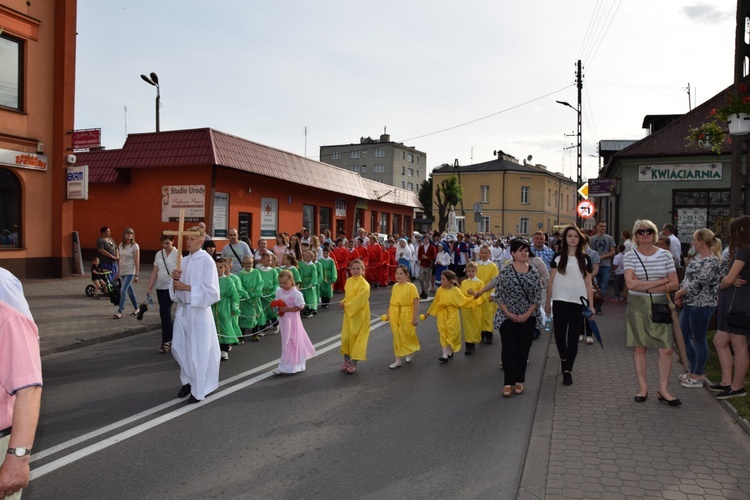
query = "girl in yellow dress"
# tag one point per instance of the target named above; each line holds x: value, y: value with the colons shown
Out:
x: 472, y: 320
x: 355, y: 330
x: 448, y: 300
x: 403, y: 312
x: 486, y: 272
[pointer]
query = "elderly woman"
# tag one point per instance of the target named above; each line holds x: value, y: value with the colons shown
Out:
x: 649, y: 275
x: 698, y: 295
x: 130, y: 263
x: 165, y: 262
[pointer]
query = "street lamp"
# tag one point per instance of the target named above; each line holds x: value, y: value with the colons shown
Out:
x: 154, y: 80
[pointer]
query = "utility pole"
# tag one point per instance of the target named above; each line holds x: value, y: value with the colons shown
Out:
x: 579, y: 169
x: 741, y: 54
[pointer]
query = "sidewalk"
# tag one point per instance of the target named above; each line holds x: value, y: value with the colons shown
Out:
x: 592, y: 440
x: 68, y: 319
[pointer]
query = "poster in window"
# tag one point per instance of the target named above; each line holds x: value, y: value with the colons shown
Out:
x: 269, y: 216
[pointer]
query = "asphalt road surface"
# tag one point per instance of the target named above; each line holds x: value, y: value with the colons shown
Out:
x: 112, y: 426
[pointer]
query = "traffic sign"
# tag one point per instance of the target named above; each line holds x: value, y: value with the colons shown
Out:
x: 585, y: 209
x: 584, y: 191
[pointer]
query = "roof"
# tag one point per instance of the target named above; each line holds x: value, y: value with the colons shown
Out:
x: 499, y: 165
x: 613, y: 145
x: 102, y: 165
x: 207, y: 147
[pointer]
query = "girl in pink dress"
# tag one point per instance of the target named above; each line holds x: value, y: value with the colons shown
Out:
x: 296, y: 347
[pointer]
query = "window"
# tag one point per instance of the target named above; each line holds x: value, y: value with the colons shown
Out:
x: 364, y: 169
x: 308, y: 218
x: 364, y: 154
x: 379, y: 153
x: 523, y: 227
x: 524, y: 195
x: 484, y: 224
x: 410, y: 172
x: 411, y: 158
x: 10, y: 208
x: 335, y: 155
x: 417, y: 164
x: 396, y: 224
x: 355, y: 168
x: 549, y: 197
x: 567, y: 201
x: 403, y: 185
x: 485, y: 190
x: 378, y: 168
x: 325, y: 219
x: 11, y: 69
x: 383, y: 222
x: 417, y: 172
x: 373, y: 222
x: 403, y: 155
x: 403, y: 170
x: 410, y: 186
x: 354, y: 154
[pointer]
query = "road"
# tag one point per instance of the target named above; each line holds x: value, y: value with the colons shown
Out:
x: 112, y: 426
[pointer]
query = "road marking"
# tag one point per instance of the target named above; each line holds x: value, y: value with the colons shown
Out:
x: 84, y: 452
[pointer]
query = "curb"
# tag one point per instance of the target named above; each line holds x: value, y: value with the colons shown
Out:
x: 138, y: 330
x: 743, y: 423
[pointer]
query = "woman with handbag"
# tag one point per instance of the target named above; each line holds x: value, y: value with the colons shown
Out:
x: 649, y: 275
x: 733, y: 313
x: 697, y: 297
x: 569, y: 280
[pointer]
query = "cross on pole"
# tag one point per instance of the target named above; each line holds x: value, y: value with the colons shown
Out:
x: 180, y: 233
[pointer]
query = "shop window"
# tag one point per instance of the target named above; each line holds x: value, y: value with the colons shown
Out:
x: 325, y: 219
x: 11, y: 69
x: 10, y: 209
x: 308, y: 218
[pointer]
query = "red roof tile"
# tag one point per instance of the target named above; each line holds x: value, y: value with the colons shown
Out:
x: 102, y: 165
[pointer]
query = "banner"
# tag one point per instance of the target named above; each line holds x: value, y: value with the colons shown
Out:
x: 269, y: 216
x: 191, y: 198
x: 221, y: 215
x: 686, y: 172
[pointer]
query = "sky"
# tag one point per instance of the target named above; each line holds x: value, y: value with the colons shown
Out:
x: 456, y: 80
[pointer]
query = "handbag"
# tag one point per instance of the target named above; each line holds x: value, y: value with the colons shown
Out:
x: 660, y: 313
x: 598, y: 296
x: 738, y: 319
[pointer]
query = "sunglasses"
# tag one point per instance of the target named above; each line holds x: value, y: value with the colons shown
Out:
x: 641, y: 232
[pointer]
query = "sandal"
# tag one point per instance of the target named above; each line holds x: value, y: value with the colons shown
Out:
x: 134, y: 313
x: 165, y: 347
x: 118, y: 315
x: 507, y: 391
x: 518, y: 389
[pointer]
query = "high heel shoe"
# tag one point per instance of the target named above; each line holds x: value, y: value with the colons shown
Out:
x: 670, y: 402
x: 641, y: 399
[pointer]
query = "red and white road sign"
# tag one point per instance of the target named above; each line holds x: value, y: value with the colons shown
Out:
x: 585, y: 209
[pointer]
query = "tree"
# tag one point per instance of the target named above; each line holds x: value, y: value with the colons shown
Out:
x: 448, y: 194
x: 425, y: 196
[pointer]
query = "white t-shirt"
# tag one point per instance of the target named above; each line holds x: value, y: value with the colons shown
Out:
x: 163, y: 278
x: 571, y: 286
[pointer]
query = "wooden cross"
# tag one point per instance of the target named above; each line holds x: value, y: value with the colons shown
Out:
x: 180, y: 233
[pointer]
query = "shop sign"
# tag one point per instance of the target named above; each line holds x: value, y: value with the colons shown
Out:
x: 87, y: 139
x: 677, y: 173
x: 190, y: 198
x: 19, y: 159
x: 269, y: 211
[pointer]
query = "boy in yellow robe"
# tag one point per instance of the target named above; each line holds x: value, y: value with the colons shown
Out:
x: 486, y: 272
x: 472, y: 319
x: 355, y: 330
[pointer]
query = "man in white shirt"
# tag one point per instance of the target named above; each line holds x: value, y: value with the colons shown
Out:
x: 675, y: 245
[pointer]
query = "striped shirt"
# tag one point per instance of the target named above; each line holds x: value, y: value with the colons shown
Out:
x: 658, y: 266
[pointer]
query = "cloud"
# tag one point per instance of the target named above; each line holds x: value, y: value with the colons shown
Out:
x: 707, y: 14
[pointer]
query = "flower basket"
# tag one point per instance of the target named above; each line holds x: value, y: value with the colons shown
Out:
x: 708, y: 136
x: 739, y: 124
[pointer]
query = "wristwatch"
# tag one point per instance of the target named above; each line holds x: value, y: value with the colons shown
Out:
x: 19, y: 451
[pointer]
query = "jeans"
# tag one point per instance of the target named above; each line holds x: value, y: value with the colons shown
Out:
x: 165, y: 313
x: 694, y: 324
x: 127, y: 286
x: 602, y: 278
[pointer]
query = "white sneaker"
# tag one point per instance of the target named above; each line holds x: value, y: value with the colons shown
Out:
x: 589, y: 340
x: 580, y: 338
x: 685, y: 376
x: 691, y: 383
x: 224, y: 355
x: 397, y: 364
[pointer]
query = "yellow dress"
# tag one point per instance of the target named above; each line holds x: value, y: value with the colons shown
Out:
x: 355, y: 330
x: 472, y: 319
x: 445, y: 308
x: 400, y: 315
x: 486, y: 272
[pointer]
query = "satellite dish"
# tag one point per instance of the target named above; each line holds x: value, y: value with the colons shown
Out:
x: 524, y: 161
x: 529, y: 158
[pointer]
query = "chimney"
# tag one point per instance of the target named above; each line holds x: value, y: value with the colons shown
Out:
x: 385, y: 138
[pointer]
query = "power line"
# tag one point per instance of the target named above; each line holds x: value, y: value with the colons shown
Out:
x: 592, y: 56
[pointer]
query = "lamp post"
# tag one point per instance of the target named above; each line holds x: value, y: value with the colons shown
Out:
x: 154, y: 80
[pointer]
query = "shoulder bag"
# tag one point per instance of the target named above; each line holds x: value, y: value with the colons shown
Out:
x: 660, y: 313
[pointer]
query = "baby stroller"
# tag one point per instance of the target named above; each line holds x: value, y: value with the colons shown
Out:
x: 111, y: 288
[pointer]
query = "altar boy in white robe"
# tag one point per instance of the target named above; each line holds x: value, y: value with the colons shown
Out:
x: 195, y: 344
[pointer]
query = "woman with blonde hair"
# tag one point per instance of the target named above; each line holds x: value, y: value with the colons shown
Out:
x: 649, y: 275
x: 130, y: 263
x: 698, y: 295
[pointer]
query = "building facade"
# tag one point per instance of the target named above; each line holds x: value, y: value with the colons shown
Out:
x: 380, y: 160
x: 37, y: 91
x: 515, y: 198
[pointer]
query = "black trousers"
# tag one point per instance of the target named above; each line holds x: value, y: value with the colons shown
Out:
x: 165, y: 313
x: 568, y: 326
x: 516, y: 339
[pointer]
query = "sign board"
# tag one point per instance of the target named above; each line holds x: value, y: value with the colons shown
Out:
x: 602, y: 187
x: 78, y: 182
x: 680, y: 173
x: 221, y: 215
x: 585, y: 209
x: 269, y: 216
x: 190, y: 198
x: 340, y: 207
x: 87, y: 139
x: 19, y: 159
x: 584, y: 191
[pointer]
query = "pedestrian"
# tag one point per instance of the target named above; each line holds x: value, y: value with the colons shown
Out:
x: 442, y: 261
x: 130, y: 263
x: 328, y: 277
x: 734, y: 297
x: 426, y: 254
x: 241, y: 297
x: 486, y: 272
x: 448, y: 300
x: 107, y: 250
x: 237, y: 250
x: 403, y: 313
x: 341, y: 255
x: 165, y: 261
x: 308, y: 273
x: 250, y: 309
x: 296, y: 347
x: 97, y: 276
x: 21, y: 394
x: 518, y: 293
x: 210, y: 247
x: 472, y: 319
x: 569, y: 280
x: 355, y: 329
x: 374, y: 262
x: 698, y: 295
x: 226, y: 309
x: 270, y: 278
x: 605, y: 246
x: 618, y: 282
x: 195, y: 343
x: 650, y: 275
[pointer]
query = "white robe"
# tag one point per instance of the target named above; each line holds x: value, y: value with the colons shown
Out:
x: 195, y: 344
